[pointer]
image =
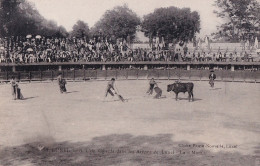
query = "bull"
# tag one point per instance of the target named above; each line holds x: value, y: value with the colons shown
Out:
x: 181, y: 87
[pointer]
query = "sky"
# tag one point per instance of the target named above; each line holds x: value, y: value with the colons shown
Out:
x: 67, y: 12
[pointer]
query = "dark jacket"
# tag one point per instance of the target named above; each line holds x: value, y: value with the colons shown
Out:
x: 212, y: 76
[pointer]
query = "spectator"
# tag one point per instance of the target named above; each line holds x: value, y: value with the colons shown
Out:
x: 48, y: 50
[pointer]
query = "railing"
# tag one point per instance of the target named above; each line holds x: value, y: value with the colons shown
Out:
x: 130, y: 63
x: 134, y: 74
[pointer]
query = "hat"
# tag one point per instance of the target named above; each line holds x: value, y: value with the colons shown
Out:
x: 212, y: 71
x: 112, y: 79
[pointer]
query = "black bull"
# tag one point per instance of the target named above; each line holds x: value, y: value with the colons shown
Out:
x: 181, y: 87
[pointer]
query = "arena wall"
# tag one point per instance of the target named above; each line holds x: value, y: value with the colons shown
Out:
x: 128, y: 74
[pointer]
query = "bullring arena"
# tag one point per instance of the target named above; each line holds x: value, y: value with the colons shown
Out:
x: 100, y: 83
x: 79, y: 128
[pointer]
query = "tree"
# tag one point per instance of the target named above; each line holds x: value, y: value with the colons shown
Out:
x: 120, y: 22
x: 80, y: 30
x: 19, y: 18
x: 242, y: 19
x: 62, y: 32
x: 8, y: 10
x: 172, y: 23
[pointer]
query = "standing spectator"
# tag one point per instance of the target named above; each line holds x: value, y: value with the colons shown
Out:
x: 220, y: 57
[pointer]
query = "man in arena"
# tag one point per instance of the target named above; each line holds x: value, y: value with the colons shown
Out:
x: 110, y: 88
x: 16, y: 91
x: 62, y: 82
x: 212, y: 77
x: 154, y: 86
x: 152, y: 83
x: 13, y: 87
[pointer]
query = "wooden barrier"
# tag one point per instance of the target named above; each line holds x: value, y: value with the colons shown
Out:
x: 25, y: 76
x: 90, y: 74
x: 13, y: 74
x: 163, y: 74
x: 227, y: 75
x: 3, y: 75
x: 195, y: 75
x: 250, y: 77
x: 219, y: 74
x: 36, y: 75
x: 47, y: 75
x: 132, y: 74
x: 174, y: 74
x: 204, y: 75
x: 101, y: 74
x: 239, y: 75
x: 142, y: 74
x: 153, y: 74
x: 111, y: 74
x: 68, y: 74
x: 122, y: 74
x: 258, y: 77
x: 184, y: 74
x: 79, y: 74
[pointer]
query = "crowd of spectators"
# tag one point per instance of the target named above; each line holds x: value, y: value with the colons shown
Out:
x: 37, y: 49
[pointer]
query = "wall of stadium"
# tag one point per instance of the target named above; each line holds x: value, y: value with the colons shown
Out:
x: 134, y: 74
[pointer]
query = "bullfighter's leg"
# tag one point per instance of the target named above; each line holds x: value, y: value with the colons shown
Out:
x: 61, y: 91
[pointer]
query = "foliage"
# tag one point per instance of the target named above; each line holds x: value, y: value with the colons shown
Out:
x: 242, y: 19
x: 80, y: 30
x: 119, y: 22
x: 19, y: 18
x: 172, y: 23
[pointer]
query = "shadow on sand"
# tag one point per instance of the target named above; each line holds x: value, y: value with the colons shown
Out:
x: 71, y: 92
x: 124, y: 149
x: 28, y: 98
x: 215, y: 89
x: 116, y: 100
x: 195, y: 99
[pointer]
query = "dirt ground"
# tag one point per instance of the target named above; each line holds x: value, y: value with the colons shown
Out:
x: 220, y: 128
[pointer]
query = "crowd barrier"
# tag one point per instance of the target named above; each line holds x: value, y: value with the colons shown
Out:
x: 135, y: 74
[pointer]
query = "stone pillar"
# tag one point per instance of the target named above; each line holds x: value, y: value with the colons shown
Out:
x: 232, y: 68
x: 60, y: 68
x: 13, y: 68
x: 103, y: 67
x: 145, y: 67
x: 188, y: 67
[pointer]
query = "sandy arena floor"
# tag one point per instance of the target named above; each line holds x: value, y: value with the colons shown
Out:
x: 78, y: 128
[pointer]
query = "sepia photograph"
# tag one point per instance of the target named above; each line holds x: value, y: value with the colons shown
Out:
x: 130, y: 83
